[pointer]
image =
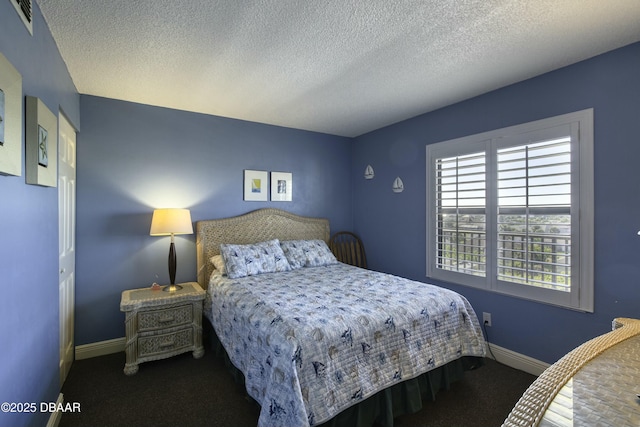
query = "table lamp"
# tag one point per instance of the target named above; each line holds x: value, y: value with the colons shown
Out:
x: 169, y: 222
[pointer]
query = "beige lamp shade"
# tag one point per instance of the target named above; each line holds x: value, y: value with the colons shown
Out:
x: 171, y: 221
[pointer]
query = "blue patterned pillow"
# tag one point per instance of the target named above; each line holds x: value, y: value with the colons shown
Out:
x: 249, y: 260
x: 307, y: 253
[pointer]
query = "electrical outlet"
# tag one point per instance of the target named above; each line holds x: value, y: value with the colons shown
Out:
x: 486, y: 319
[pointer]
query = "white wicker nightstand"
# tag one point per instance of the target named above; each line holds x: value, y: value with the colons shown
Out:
x: 162, y: 324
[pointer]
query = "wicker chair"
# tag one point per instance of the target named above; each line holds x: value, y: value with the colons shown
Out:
x: 348, y: 248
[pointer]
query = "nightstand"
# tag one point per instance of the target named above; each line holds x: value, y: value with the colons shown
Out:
x: 162, y: 324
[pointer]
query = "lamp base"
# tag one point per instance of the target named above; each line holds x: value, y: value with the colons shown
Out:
x: 172, y: 288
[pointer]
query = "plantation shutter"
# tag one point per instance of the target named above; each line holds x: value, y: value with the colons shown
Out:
x: 534, y: 210
x: 461, y: 213
x: 25, y: 10
x: 511, y: 210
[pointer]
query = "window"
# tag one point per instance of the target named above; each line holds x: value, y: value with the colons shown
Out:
x: 511, y: 210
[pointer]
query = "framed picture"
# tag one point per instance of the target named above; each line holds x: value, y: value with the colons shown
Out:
x: 2, y: 115
x: 10, y: 119
x: 43, y: 146
x: 42, y: 150
x: 281, y: 186
x: 256, y: 186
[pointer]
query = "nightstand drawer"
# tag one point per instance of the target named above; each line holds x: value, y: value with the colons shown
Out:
x: 165, y: 343
x: 167, y: 318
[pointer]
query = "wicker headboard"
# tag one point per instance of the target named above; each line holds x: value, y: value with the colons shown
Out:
x: 253, y: 227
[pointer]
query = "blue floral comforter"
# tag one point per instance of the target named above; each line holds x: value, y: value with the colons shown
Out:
x: 314, y: 341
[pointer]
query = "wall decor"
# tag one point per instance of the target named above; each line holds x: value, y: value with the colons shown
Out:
x: 256, y: 186
x: 10, y: 119
x: 398, y: 185
x: 42, y: 150
x: 368, y: 172
x: 43, y: 146
x: 1, y: 116
x: 281, y: 186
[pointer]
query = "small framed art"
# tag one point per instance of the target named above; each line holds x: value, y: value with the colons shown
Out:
x: 10, y: 119
x: 256, y: 186
x: 42, y: 151
x: 281, y: 186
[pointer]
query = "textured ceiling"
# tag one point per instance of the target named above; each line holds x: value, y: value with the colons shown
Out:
x: 343, y: 67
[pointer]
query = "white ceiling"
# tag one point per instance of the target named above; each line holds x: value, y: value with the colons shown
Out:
x: 343, y: 67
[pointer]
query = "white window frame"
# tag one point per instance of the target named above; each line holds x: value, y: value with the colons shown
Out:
x: 580, y: 297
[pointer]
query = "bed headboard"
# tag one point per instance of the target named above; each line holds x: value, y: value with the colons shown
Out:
x: 253, y: 227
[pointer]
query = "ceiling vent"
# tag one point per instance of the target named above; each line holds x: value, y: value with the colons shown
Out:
x: 24, y: 9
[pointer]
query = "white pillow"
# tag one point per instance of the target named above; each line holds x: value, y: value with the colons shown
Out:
x: 218, y: 263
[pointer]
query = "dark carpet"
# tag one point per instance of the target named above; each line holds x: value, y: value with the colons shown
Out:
x: 188, y: 392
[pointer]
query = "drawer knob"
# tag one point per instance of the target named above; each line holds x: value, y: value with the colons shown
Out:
x: 166, y: 319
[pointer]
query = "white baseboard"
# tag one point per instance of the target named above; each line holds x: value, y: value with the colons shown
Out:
x: 55, y: 417
x: 516, y: 360
x: 100, y: 348
x: 501, y: 354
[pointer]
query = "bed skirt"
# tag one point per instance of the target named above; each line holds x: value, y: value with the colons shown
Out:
x: 381, y: 408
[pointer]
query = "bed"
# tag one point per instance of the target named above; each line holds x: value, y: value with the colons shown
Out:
x: 318, y: 341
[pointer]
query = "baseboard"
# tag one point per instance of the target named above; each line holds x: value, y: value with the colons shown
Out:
x: 56, y: 416
x: 501, y: 354
x: 516, y: 360
x: 100, y: 348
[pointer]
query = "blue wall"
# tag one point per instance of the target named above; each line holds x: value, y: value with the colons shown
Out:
x: 393, y: 225
x: 29, y: 233
x: 133, y: 158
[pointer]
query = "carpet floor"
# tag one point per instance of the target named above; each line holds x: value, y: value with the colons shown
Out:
x: 187, y: 392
